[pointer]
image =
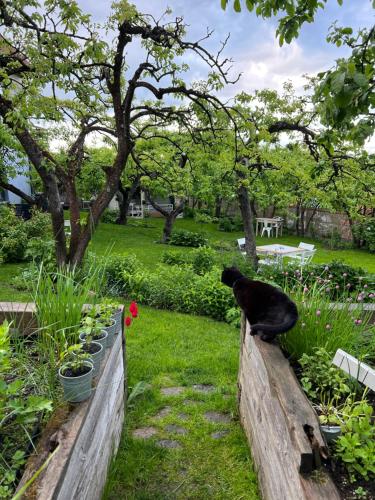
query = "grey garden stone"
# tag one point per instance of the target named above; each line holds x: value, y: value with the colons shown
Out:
x: 144, y: 432
x: 176, y: 429
x: 205, y: 388
x: 219, y: 434
x: 163, y: 412
x: 168, y: 443
x: 217, y: 417
x: 172, y: 391
x: 190, y: 402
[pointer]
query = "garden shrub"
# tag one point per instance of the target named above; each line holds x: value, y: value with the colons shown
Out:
x: 16, y: 235
x: 203, y: 260
x: 175, y: 258
x: 365, y: 231
x: 203, y: 218
x: 230, y: 224
x: 13, y: 235
x: 110, y: 216
x: 176, y: 288
x: 115, y: 267
x: 184, y: 238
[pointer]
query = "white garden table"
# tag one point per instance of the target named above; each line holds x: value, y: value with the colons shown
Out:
x: 279, y: 251
x: 275, y: 223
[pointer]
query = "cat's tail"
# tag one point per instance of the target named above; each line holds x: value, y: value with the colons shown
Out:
x: 283, y: 327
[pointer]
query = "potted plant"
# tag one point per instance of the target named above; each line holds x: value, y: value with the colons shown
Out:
x: 116, y: 311
x: 108, y: 322
x: 329, y: 418
x: 76, y: 374
x: 92, y: 328
x: 96, y: 350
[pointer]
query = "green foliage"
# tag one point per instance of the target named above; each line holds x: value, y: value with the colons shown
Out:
x: 18, y: 238
x: 356, y: 445
x: 366, y: 231
x: 174, y: 258
x: 233, y: 317
x: 110, y: 216
x: 203, y: 218
x: 118, y: 271
x: 74, y: 358
x: 320, y: 379
x: 176, y: 288
x: 203, y: 260
x: 294, y: 14
x: 335, y: 280
x: 321, y: 325
x: 18, y: 409
x: 184, y: 238
x: 230, y: 224
x: 91, y: 327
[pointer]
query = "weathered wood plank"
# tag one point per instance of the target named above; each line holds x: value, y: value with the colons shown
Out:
x: 273, y: 410
x: 87, y: 439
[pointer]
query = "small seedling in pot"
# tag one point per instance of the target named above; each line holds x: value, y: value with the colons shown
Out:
x: 91, y: 329
x: 76, y: 362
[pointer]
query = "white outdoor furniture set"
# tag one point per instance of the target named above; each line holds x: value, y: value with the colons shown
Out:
x: 268, y: 224
x: 275, y: 253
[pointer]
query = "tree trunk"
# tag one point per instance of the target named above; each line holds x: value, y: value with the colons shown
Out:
x: 218, y: 202
x: 302, y: 221
x: 247, y: 218
x: 168, y: 226
x: 298, y: 219
x: 126, y: 195
x: 170, y: 217
x: 57, y: 215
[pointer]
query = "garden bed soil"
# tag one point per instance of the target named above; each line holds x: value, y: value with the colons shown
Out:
x: 76, y: 373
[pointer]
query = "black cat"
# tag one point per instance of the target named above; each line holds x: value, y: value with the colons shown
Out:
x: 268, y: 310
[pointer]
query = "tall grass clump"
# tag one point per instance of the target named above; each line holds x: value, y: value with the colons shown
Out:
x: 324, y: 324
x: 59, y: 299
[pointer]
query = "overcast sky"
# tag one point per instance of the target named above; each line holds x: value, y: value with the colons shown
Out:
x: 252, y: 43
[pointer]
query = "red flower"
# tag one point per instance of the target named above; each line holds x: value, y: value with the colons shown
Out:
x: 133, y: 308
x: 128, y: 321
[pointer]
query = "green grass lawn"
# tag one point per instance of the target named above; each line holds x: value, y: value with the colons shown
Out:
x: 167, y: 350
x: 143, y: 241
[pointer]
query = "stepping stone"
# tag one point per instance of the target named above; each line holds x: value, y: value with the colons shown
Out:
x: 217, y: 417
x: 190, y: 402
x: 144, y: 432
x: 205, y: 388
x: 172, y: 391
x: 163, y: 412
x: 183, y: 416
x: 176, y: 429
x: 219, y: 434
x: 168, y: 443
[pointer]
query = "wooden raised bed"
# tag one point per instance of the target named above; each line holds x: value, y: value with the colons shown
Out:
x: 273, y: 411
x: 79, y: 440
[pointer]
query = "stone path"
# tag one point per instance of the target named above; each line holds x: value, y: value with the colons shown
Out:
x: 173, y: 429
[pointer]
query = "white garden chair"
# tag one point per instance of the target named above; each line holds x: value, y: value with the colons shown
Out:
x: 267, y: 228
x: 67, y: 227
x: 241, y: 245
x: 305, y: 257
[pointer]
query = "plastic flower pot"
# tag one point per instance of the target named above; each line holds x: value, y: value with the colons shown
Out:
x: 102, y: 340
x: 117, y: 316
x: 330, y: 432
x: 96, y: 356
x: 111, y: 330
x: 77, y: 389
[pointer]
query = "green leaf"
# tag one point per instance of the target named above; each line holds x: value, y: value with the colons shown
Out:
x: 250, y: 5
x: 224, y: 4
x: 237, y: 6
x: 360, y: 80
x: 338, y: 82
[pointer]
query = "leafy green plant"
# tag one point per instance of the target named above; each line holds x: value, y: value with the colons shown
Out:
x: 18, y: 410
x: 110, y: 216
x: 74, y: 359
x: 233, y: 317
x: 356, y: 445
x: 203, y: 260
x: 230, y: 224
x: 175, y: 258
x: 184, y: 238
x: 321, y: 380
x: 117, y: 269
x: 90, y: 328
x: 365, y: 231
